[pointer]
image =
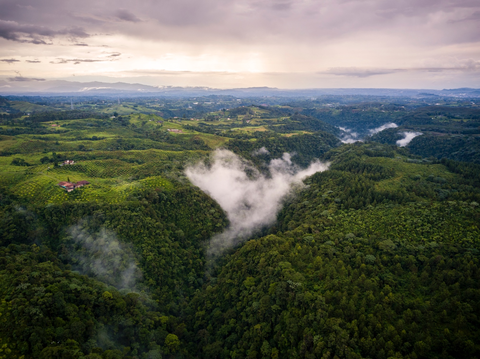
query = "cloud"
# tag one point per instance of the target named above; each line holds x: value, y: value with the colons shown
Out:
x: 348, y: 43
x: 33, y: 61
x: 408, y: 136
x: 74, y: 32
x: 103, y: 257
x: 79, y: 61
x: 468, y: 65
x: 261, y: 151
x: 94, y: 88
x: 126, y: 15
x: 153, y: 72
x: 258, y: 20
x: 9, y: 61
x: 383, y: 127
x: 21, y: 79
x: 36, y: 34
x: 251, y: 201
x: 349, y: 136
x: 356, y: 72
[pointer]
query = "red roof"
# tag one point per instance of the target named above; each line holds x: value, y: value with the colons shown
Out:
x: 63, y: 183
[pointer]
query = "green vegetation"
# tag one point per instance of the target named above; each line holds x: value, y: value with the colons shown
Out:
x: 354, y: 270
x: 378, y: 257
x: 48, y: 311
x: 447, y: 132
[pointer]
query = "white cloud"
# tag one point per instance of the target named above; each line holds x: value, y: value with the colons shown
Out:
x: 349, y: 136
x: 261, y: 151
x: 250, y: 203
x: 383, y: 127
x: 409, y: 136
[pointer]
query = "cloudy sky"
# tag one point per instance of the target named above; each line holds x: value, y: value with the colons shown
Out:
x: 233, y: 43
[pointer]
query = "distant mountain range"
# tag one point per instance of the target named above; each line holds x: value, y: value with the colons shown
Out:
x: 26, y: 86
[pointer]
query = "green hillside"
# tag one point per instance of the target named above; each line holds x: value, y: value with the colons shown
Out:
x: 368, y: 262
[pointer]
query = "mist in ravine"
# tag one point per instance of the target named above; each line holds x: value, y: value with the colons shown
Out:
x: 408, y: 136
x: 251, y: 201
x: 102, y: 256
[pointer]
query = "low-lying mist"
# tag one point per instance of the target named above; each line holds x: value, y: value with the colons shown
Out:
x: 408, y: 137
x: 383, y: 127
x: 101, y: 256
x: 251, y: 201
x: 349, y: 136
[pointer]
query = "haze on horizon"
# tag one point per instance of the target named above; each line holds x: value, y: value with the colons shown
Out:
x: 226, y: 44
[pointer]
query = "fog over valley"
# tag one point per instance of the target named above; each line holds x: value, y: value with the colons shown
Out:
x: 250, y: 199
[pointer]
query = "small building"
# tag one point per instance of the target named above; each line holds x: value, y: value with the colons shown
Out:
x: 82, y: 183
x: 70, y: 186
x: 67, y: 162
x: 174, y: 130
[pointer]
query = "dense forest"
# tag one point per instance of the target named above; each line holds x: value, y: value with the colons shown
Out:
x: 375, y: 257
x: 443, y: 132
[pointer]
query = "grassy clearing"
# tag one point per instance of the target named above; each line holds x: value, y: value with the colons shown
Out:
x: 113, y: 175
x: 213, y: 141
x: 406, y: 172
x: 250, y: 129
x: 29, y: 107
x: 295, y: 133
x: 41, y: 187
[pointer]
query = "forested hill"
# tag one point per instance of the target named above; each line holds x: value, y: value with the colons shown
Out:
x: 305, y: 147
x: 441, y: 132
x: 377, y: 258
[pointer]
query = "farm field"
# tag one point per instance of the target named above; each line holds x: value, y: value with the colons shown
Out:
x: 119, y: 155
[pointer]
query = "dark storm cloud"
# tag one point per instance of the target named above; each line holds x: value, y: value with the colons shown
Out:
x: 24, y: 79
x: 35, y: 34
x: 352, y: 42
x: 473, y: 17
x: 11, y: 30
x: 203, y: 21
x: 125, y: 15
x: 74, y: 32
x: 9, y: 61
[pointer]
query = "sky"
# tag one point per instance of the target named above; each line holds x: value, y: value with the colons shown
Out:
x: 231, y: 43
